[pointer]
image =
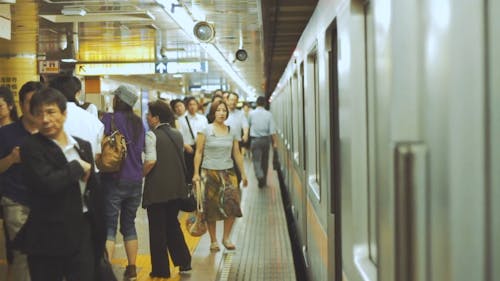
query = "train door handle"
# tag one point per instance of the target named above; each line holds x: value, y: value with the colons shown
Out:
x: 410, y: 178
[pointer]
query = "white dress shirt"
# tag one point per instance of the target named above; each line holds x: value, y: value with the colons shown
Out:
x: 84, y: 125
x: 237, y: 121
x: 198, y: 123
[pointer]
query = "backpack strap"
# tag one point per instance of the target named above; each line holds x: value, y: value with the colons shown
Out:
x: 190, y: 130
x: 113, y: 124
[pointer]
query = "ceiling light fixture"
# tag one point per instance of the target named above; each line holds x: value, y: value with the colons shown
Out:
x: 74, y: 11
x: 184, y: 20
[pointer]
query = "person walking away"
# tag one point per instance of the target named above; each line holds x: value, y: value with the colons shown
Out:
x: 80, y: 99
x: 15, y: 203
x: 262, y: 132
x: 215, y: 145
x: 59, y: 236
x: 165, y: 185
x: 79, y: 122
x: 124, y: 188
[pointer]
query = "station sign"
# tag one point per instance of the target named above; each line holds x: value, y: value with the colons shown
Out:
x: 115, y: 68
x: 172, y: 67
x: 48, y: 67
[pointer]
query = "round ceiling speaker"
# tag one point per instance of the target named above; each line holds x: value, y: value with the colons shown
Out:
x: 204, y: 31
x: 241, y: 55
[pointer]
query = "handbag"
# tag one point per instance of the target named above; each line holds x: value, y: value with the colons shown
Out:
x: 187, y: 204
x: 105, y: 270
x: 195, y: 223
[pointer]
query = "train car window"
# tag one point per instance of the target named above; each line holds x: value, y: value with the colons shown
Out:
x: 296, y: 118
x: 314, y: 170
x: 370, y: 93
x: 292, y: 114
x: 303, y: 136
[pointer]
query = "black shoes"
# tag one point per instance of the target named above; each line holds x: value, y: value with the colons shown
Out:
x: 156, y: 275
x: 130, y: 273
x: 261, y: 182
x: 185, y: 269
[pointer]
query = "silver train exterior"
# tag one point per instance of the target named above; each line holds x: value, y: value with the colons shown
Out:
x: 388, y: 116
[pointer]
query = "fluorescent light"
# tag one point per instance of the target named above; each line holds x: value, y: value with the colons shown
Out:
x: 68, y: 60
x: 73, y: 11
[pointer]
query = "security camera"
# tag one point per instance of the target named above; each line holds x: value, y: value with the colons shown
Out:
x: 241, y: 55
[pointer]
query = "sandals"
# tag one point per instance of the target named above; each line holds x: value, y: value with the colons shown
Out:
x: 228, y: 245
x: 214, y: 247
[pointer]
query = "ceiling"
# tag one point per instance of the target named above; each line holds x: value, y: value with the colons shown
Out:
x: 138, y: 31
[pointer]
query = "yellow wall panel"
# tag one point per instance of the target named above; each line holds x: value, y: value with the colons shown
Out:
x: 24, y: 30
x: 14, y: 72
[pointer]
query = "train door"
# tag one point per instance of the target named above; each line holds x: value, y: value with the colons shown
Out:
x: 357, y: 142
x: 494, y: 140
x: 334, y: 222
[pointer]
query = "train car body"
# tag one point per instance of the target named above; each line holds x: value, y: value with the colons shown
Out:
x: 389, y: 124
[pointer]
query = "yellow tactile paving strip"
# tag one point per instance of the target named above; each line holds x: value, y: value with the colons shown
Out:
x: 143, y: 261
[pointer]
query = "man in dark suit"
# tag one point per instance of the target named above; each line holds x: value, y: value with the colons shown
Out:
x: 63, y: 236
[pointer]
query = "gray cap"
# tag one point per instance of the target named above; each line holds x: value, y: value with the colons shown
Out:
x: 126, y: 94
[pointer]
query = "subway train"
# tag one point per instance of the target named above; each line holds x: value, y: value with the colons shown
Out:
x: 386, y: 115
x: 389, y: 140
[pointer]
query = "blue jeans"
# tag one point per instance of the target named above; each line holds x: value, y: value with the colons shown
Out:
x: 122, y: 199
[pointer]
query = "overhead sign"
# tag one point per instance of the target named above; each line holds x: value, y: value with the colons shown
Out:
x: 48, y: 67
x: 181, y: 67
x: 115, y: 68
x: 161, y: 67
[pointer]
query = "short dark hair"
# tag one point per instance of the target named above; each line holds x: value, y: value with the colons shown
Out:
x: 163, y: 111
x: 48, y: 96
x: 28, y: 87
x: 189, y: 99
x: 174, y: 102
x: 218, y: 92
x: 7, y: 95
x: 234, y: 94
x: 67, y: 85
x: 213, y: 109
x: 261, y: 101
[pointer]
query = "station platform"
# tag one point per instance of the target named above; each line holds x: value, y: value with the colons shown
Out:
x: 263, y: 248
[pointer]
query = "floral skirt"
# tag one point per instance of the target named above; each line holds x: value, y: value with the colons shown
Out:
x: 222, y: 195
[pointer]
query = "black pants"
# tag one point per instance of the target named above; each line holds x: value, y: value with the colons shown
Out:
x: 77, y: 267
x: 165, y: 236
x: 189, y: 160
x: 260, y: 156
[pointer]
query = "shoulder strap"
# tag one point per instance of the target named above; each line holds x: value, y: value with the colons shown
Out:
x: 113, y: 125
x: 190, y: 130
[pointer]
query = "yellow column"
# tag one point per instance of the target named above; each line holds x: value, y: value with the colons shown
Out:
x: 18, y: 63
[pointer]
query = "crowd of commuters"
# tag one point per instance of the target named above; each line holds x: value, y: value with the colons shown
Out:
x: 61, y: 213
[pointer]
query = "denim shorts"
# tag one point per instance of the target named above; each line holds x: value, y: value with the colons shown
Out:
x: 122, y: 199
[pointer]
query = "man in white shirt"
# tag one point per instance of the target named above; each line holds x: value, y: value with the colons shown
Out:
x: 79, y: 122
x: 189, y: 126
x: 238, y: 123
